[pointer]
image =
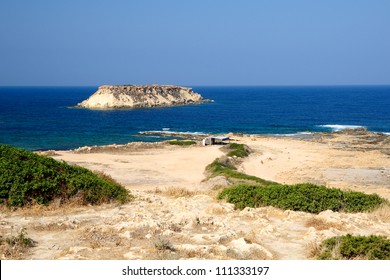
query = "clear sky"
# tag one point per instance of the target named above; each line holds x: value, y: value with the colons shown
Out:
x: 220, y: 42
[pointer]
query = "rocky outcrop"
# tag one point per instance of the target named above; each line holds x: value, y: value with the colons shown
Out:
x: 133, y: 96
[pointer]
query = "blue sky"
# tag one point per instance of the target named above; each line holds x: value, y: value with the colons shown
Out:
x: 263, y: 42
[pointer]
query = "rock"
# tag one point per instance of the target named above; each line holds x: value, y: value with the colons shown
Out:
x: 78, y: 249
x: 242, y: 248
x: 168, y: 232
x: 133, y: 96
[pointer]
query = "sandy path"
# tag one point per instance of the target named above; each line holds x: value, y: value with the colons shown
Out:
x: 151, y: 168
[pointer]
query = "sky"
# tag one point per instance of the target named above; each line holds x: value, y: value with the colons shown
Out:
x: 214, y: 42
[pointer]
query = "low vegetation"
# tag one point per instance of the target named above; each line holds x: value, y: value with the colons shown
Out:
x: 238, y: 150
x: 251, y: 191
x: 179, y: 192
x: 301, y: 197
x: 162, y: 244
x: 15, y: 247
x: 350, y: 247
x: 221, y: 167
x: 29, y: 178
x: 182, y: 142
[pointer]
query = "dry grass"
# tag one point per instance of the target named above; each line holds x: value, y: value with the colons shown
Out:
x: 51, y: 227
x: 216, y: 252
x: 255, y: 254
x: 194, y: 254
x: 157, y: 190
x: 15, y: 247
x: 162, y: 244
x: 97, y: 237
x: 320, y: 224
x: 179, y: 192
x: 56, y: 207
x: 313, y: 249
x: 217, y: 210
x: 382, y: 213
x: 209, y: 252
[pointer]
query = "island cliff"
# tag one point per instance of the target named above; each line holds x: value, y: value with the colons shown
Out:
x: 141, y: 96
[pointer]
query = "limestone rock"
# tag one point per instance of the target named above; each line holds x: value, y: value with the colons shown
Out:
x: 141, y: 96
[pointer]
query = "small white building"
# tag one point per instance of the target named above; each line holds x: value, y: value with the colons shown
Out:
x: 215, y: 140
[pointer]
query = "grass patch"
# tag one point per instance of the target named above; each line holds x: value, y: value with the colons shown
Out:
x: 27, y: 178
x: 182, y: 142
x: 238, y: 150
x: 223, y: 168
x: 350, y: 247
x: 301, y: 197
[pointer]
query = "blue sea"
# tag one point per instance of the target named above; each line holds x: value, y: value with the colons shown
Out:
x: 42, y: 118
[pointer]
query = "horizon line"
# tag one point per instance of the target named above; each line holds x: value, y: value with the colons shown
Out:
x: 209, y: 85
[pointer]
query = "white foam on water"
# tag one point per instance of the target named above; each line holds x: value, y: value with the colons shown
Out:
x: 290, y: 134
x: 168, y: 132
x: 339, y: 127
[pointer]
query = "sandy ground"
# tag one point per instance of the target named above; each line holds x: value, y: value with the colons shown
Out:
x: 293, y: 161
x: 176, y: 208
x: 151, y: 166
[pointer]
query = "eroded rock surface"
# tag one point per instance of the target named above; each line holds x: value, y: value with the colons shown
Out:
x: 141, y: 96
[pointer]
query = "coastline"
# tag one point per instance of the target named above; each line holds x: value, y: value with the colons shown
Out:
x: 354, y: 159
x: 50, y: 124
x: 176, y: 202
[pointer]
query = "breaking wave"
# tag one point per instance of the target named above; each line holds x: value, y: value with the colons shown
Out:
x: 339, y: 127
x: 169, y: 132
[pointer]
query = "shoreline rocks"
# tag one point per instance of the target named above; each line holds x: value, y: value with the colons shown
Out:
x: 141, y: 96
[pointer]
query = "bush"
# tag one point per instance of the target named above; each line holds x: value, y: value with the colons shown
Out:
x: 301, y: 197
x: 26, y: 177
x: 355, y: 247
x: 218, y: 167
x: 182, y: 142
x: 238, y: 150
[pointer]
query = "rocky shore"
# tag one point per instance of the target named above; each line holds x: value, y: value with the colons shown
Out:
x: 141, y: 96
x: 176, y: 213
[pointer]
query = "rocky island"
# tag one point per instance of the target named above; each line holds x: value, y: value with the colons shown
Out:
x: 141, y: 96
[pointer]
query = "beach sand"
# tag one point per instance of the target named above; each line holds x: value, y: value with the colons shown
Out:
x: 175, y: 204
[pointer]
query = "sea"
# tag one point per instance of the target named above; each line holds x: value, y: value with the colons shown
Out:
x: 44, y: 118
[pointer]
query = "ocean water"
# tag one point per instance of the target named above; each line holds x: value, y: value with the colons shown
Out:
x: 41, y: 118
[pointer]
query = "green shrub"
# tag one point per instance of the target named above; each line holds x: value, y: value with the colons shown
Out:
x: 26, y: 177
x: 182, y: 142
x: 355, y: 247
x: 219, y: 168
x: 301, y: 197
x: 238, y: 150
x: 360, y: 202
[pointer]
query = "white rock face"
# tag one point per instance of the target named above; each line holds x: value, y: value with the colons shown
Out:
x: 132, y: 96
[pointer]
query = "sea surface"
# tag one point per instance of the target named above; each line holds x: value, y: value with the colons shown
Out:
x: 42, y: 118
